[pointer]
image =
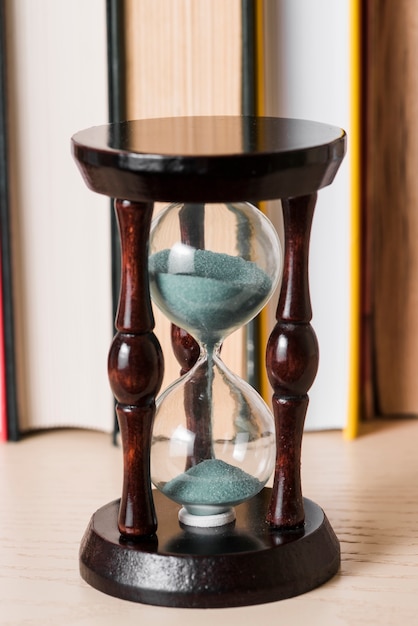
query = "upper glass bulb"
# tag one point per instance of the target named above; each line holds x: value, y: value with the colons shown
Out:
x: 213, y: 267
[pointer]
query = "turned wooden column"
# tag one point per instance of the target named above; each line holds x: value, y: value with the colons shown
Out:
x: 187, y: 351
x: 135, y: 370
x: 292, y: 362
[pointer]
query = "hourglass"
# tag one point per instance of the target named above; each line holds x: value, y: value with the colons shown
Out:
x: 213, y: 443
x: 213, y: 533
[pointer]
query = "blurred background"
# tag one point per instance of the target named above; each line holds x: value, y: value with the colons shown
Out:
x: 70, y: 65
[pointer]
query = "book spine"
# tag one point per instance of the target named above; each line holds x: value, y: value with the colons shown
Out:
x: 116, y: 63
x: 8, y: 375
x: 249, y: 99
x: 355, y: 77
x: 3, y: 397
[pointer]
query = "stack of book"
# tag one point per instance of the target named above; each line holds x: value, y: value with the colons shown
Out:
x: 322, y: 60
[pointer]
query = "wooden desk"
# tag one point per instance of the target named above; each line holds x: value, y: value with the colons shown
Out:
x: 50, y: 484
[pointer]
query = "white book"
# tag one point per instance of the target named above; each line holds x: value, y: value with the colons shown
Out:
x: 307, y: 75
x: 57, y: 69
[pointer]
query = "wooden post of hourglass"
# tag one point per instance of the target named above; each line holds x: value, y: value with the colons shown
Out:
x: 292, y: 362
x: 187, y: 350
x: 135, y: 370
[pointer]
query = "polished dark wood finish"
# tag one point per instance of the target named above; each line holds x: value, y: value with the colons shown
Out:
x: 136, y: 369
x: 209, y: 159
x: 241, y: 564
x: 196, y: 160
x: 192, y: 215
x: 185, y: 348
x: 196, y: 402
x: 198, y: 408
x: 292, y: 362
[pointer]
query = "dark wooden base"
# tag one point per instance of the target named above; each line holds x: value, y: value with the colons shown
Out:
x: 241, y: 564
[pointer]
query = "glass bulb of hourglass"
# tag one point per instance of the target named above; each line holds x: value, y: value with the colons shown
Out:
x: 212, y: 269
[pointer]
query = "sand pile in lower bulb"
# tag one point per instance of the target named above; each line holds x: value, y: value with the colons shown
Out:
x: 212, y: 482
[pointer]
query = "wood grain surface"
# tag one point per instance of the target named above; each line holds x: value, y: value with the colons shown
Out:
x: 392, y: 188
x: 52, y: 482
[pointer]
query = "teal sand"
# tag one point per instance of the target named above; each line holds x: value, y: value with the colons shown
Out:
x: 212, y: 483
x: 208, y: 292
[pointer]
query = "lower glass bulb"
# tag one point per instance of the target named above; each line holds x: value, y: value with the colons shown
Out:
x: 213, y: 443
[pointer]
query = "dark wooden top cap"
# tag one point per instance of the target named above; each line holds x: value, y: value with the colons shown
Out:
x: 219, y: 158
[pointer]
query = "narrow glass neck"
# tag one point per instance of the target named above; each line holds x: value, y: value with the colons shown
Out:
x: 210, y: 350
